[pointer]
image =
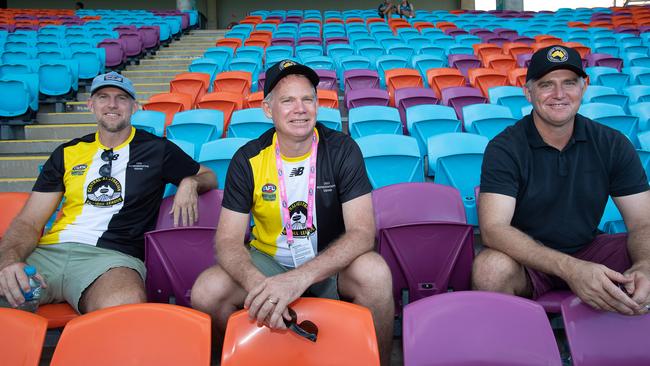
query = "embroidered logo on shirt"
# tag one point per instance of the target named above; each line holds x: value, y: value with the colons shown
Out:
x: 296, y: 172
x: 268, y: 192
x: 79, y: 169
x: 104, y: 192
x: 138, y: 166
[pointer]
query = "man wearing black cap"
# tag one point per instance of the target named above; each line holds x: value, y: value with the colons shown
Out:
x: 544, y: 185
x: 307, y: 189
x: 111, y: 182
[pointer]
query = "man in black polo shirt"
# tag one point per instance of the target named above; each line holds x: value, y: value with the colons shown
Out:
x: 544, y: 186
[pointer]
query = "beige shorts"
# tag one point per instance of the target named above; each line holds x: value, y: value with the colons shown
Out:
x: 70, y: 268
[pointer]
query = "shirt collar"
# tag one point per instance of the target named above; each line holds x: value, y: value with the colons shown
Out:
x: 535, y: 139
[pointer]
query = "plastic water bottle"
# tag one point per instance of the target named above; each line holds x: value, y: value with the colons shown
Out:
x: 32, y: 297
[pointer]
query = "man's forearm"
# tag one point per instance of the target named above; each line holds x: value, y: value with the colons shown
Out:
x: 202, y: 182
x: 18, y: 243
x: 638, y: 243
x: 235, y: 259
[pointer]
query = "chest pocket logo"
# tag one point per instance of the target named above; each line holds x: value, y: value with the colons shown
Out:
x: 104, y: 192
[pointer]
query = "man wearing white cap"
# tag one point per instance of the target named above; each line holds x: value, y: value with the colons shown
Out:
x: 112, y: 183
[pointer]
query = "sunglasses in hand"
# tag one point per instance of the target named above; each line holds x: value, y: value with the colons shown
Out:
x: 305, y: 328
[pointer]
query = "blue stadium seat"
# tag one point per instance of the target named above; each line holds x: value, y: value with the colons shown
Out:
x: 422, y: 63
x: 607, y: 76
x: 388, y: 62
x: 638, y: 75
x: 338, y: 51
x: 352, y: 62
x: 320, y: 62
x: 308, y: 50
x: 14, y: 98
x: 487, y: 119
x: 426, y: 120
x: 150, y: 121
x: 372, y: 120
x: 279, y: 52
x: 612, y: 116
x: 330, y: 117
x: 216, y: 155
x: 254, y: 52
x: 401, y: 49
x: 197, y: 126
x: 373, y: 52
x: 455, y: 160
x: 207, y: 66
x: 21, y: 67
x: 220, y: 54
x: 642, y: 111
x: 604, y: 94
x: 509, y: 96
x: 391, y: 159
x: 91, y: 62
x: 251, y: 65
x: 638, y: 93
x: 612, y: 222
x: 58, y: 78
x: 249, y: 123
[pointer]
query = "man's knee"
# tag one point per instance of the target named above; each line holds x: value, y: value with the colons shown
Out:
x: 367, y: 277
x: 495, y: 271
x: 117, y: 286
x: 212, y: 288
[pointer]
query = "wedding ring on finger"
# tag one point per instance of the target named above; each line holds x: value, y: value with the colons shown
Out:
x: 274, y: 302
x: 647, y: 307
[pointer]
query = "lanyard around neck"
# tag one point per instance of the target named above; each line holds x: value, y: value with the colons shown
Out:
x: 311, y: 190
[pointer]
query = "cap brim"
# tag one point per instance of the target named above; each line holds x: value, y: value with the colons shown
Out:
x: 111, y: 86
x: 296, y: 69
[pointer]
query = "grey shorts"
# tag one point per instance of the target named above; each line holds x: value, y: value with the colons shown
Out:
x: 326, y: 289
x: 70, y: 268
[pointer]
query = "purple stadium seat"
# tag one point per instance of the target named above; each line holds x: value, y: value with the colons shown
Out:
x: 151, y: 37
x: 423, y: 235
x: 336, y: 40
x: 283, y: 41
x: 604, y: 59
x: 598, y: 338
x: 124, y: 27
x: 209, y: 210
x: 310, y: 40
x: 261, y: 79
x: 408, y: 97
x: 527, y: 40
x: 495, y: 40
x: 463, y: 63
x: 523, y: 59
x: 360, y: 79
x: 552, y: 300
x: 174, y: 259
x: 133, y: 42
x: 478, y: 328
x: 327, y: 79
x: 362, y: 97
x: 460, y: 96
x: 115, y: 52
x: 481, y: 32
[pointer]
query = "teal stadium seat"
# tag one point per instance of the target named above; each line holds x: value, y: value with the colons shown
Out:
x: 373, y: 120
x: 249, y: 123
x: 426, y: 120
x: 216, y: 155
x: 150, y: 121
x: 391, y: 159
x: 197, y: 126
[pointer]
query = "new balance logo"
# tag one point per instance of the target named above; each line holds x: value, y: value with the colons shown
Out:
x: 295, y: 172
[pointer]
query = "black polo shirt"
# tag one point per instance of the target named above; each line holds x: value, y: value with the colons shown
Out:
x: 561, y: 195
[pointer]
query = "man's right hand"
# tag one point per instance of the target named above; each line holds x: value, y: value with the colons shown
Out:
x: 596, y: 285
x: 13, y: 279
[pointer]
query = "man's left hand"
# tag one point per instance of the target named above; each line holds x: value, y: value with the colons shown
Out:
x: 639, y: 288
x: 185, y: 208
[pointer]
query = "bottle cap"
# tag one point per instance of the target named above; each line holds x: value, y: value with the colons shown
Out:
x: 30, y: 271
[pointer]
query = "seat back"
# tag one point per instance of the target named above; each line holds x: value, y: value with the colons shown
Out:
x: 169, y: 103
x: 425, y: 120
x: 150, y: 121
x: 391, y: 159
x: 216, y: 155
x: 349, y: 342
x: 195, y: 84
x: 11, y: 203
x: 372, y: 120
x: 249, y: 123
x: 22, y: 336
x: 475, y: 327
x: 330, y: 117
x: 141, y: 333
x: 233, y: 81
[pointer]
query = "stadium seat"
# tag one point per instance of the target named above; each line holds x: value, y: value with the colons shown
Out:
x: 58, y: 78
x: 510, y: 96
x: 226, y: 102
x: 607, y: 76
x: 440, y: 78
x: 423, y: 121
x: 254, y: 52
x: 637, y: 93
x: 279, y: 52
x: 470, y: 327
x: 320, y: 62
x: 642, y: 111
x: 207, y: 66
x: 391, y: 159
x: 401, y: 78
x: 22, y: 337
x: 455, y: 160
x: 360, y: 79
x: 57, y: 315
x: 91, y: 62
x: 424, y: 63
x: 638, y: 75
x: 487, y: 119
x: 372, y: 120
x: 233, y: 43
x: 238, y: 82
x: 598, y: 338
x: 115, y: 55
x: 174, y: 257
x: 308, y: 50
x: 254, y: 100
x: 349, y: 342
x: 221, y: 55
x: 12, y: 203
x: 517, y: 77
x: 604, y: 94
x: 366, y: 97
x: 249, y: 123
x: 197, y: 126
x: 464, y: 63
x: 612, y: 221
x: 328, y: 98
x: 500, y: 62
x: 195, y: 84
x: 169, y: 103
x: 486, y: 78
x: 412, y: 96
x: 247, y: 65
x: 15, y: 100
x: 604, y: 59
x: 330, y: 117
x: 150, y: 121
x: 612, y: 116
x: 109, y: 336
x: 407, y: 212
x: 216, y: 155
x: 458, y: 97
x: 389, y: 62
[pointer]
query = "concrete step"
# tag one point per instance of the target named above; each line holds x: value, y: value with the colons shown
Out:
x: 142, y: 95
x: 191, y: 46
x: 21, y: 166
x: 152, y: 87
x: 154, y: 78
x: 159, y: 67
x: 151, y: 73
x: 156, y: 61
x: 16, y: 184
x: 179, y: 57
x: 29, y: 146
x: 67, y: 132
x: 185, y: 53
x: 64, y: 118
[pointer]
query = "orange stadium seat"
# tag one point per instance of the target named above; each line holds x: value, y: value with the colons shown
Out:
x: 345, y: 336
x: 11, y: 203
x: 233, y: 43
x: 445, y: 25
x: 485, y: 78
x: 238, y: 82
x: 261, y: 34
x: 421, y: 25
x: 328, y: 98
x: 500, y: 62
x: 259, y: 42
x: 401, y: 78
x: 515, y: 48
x: 254, y: 100
x: 169, y: 103
x: 193, y: 83
x: 517, y: 77
x: 483, y: 49
x: 582, y: 49
x: 22, y: 336
x: 143, y: 334
x: 57, y: 315
x: 444, y: 77
x: 547, y: 37
x: 226, y: 102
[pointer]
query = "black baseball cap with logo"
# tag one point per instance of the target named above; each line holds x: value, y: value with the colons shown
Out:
x: 552, y: 58
x: 287, y: 67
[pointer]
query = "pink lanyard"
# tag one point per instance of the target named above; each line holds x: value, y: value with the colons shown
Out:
x: 284, y: 204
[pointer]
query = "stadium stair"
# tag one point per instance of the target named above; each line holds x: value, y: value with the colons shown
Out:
x: 20, y: 159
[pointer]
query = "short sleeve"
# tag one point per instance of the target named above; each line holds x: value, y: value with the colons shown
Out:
x: 50, y: 178
x: 177, y: 164
x: 238, y: 192
x: 499, y: 172
x: 627, y: 174
x: 353, y: 179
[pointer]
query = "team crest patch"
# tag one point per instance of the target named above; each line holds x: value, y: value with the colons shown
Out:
x: 104, y: 192
x: 298, y: 217
x: 79, y: 169
x: 286, y: 63
x: 113, y: 77
x: 268, y: 192
x: 557, y: 54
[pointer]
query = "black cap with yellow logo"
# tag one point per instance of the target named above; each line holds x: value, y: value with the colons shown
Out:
x: 553, y: 58
x: 287, y: 67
